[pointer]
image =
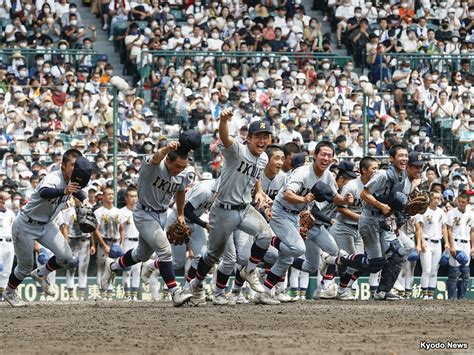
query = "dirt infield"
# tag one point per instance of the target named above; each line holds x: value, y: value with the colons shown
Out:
x: 312, y: 327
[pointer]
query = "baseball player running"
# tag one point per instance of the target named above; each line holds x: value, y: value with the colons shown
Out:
x: 232, y: 208
x: 35, y: 223
x: 383, y: 249
x: 82, y: 249
x: 345, y: 230
x: 290, y: 201
x: 239, y: 246
x: 430, y: 229
x: 162, y: 178
x: 7, y: 217
x: 130, y: 278
x: 460, y: 229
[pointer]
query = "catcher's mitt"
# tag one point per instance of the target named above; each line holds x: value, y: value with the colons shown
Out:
x: 178, y: 233
x: 419, y: 202
x: 306, y: 223
x: 86, y: 219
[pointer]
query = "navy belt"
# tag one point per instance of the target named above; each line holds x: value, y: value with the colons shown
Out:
x: 133, y: 239
x: 32, y: 221
x: 149, y: 209
x: 6, y: 239
x: 289, y: 210
x: 375, y: 213
x: 432, y: 240
x: 232, y: 207
x: 461, y: 241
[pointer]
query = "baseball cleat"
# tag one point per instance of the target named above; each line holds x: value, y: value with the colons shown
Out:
x: 265, y: 298
x: 198, y: 296
x: 239, y: 298
x: 13, y: 298
x: 252, y: 279
x: 221, y: 299
x: 345, y: 294
x: 328, y: 292
x: 284, y: 297
x: 43, y: 282
x: 386, y: 296
x: 108, y: 276
x: 146, y: 272
x: 180, y: 297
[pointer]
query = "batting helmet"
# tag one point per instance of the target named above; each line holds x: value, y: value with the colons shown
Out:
x: 444, y: 258
x: 461, y: 257
x: 81, y: 174
x: 413, y: 256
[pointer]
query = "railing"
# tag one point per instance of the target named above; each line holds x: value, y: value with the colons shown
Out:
x: 445, y: 64
x: 75, y: 57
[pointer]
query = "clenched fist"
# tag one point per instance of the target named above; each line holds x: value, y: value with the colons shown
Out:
x: 227, y: 114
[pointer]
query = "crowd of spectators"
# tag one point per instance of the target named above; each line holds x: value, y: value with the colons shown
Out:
x: 52, y: 100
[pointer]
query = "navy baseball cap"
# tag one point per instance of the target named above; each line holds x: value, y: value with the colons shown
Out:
x: 189, y: 140
x: 416, y: 159
x: 347, y: 168
x: 260, y: 126
x: 82, y: 172
x: 298, y: 160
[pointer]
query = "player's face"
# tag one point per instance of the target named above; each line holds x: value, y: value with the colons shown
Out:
x: 373, y: 167
x: 462, y: 203
x: 414, y: 172
x: 258, y: 143
x: 131, y: 198
x: 109, y: 196
x: 177, y: 166
x: 323, y: 159
x: 68, y: 168
x: 400, y: 160
x: 276, y: 162
x: 435, y: 201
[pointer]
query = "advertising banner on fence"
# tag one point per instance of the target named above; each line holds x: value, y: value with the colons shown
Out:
x: 29, y: 292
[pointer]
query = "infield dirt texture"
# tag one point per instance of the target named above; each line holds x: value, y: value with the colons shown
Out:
x: 312, y: 327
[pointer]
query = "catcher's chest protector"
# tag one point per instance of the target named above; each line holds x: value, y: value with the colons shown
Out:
x: 395, y: 183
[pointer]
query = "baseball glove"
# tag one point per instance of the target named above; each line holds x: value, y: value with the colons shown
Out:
x: 86, y: 219
x: 306, y: 223
x: 418, y: 203
x: 178, y: 233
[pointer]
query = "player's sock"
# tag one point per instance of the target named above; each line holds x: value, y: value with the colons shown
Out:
x: 126, y: 294
x: 191, y: 274
x: 275, y: 242
x: 201, y: 272
x: 298, y: 263
x: 238, y: 281
x: 13, y: 282
x: 431, y: 291
x: 110, y: 294
x: 303, y: 292
x: 270, y: 281
x: 221, y: 282
x: 401, y: 294
x: 424, y: 291
x: 329, y: 276
x: 134, y: 292
x: 70, y: 292
x: 123, y: 262
x: 167, y: 274
x: 344, y: 280
x: 49, y: 267
x: 256, y: 256
x: 81, y: 292
x: 408, y: 293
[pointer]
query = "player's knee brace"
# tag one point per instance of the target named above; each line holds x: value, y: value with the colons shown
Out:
x: 376, y: 264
